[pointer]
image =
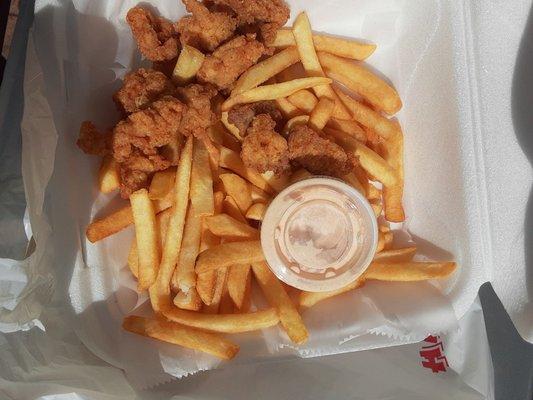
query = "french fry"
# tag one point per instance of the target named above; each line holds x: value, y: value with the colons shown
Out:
x: 162, y: 183
x: 161, y: 220
x: 347, y: 127
x: 229, y: 126
x: 256, y: 211
x: 388, y: 239
x: 188, y: 301
x: 160, y: 290
x: 377, y: 207
x: 184, y: 276
x: 226, y: 303
x: 189, y: 62
x: 304, y: 100
x: 367, y: 117
x: 301, y: 30
x: 341, y: 47
x: 396, y: 255
x: 185, y: 336
x: 201, y: 182
x: 237, y: 188
x: 352, y: 180
x: 287, y: 108
x: 266, y: 69
x: 410, y: 271
x: 238, y: 280
x: 309, y: 299
x: 120, y: 219
x: 371, y: 162
x: 231, y: 208
x: 392, y: 194
x: 277, y: 182
x: 231, y: 160
x: 295, y: 71
x: 205, y: 286
x: 381, y: 242
x: 273, y: 92
x: 295, y: 121
x: 259, y: 196
x: 300, y: 174
x: 108, y: 175
x: 371, y: 192
x: 321, y: 113
x: 228, y: 254
x: 223, y: 225
x: 227, y: 323
x: 277, y: 297
x: 219, y: 286
x: 247, y: 300
x: 362, y: 81
x: 146, y: 233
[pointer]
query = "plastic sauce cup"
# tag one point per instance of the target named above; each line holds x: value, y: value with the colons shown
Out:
x: 319, y: 234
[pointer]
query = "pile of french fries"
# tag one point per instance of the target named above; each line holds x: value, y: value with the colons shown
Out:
x: 197, y: 249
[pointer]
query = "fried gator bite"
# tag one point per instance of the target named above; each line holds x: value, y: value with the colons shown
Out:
x: 263, y: 149
x: 317, y: 154
x: 156, y: 37
x: 242, y: 115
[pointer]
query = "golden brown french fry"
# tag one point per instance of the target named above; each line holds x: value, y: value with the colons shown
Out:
x: 185, y: 336
x: 146, y: 233
x: 274, y: 91
x: 108, y: 175
x: 227, y: 254
x: 188, y: 301
x: 371, y: 161
x: 362, y: 81
x: 309, y: 299
x: 409, y: 271
x: 294, y: 121
x: 226, y: 303
x: 219, y: 286
x: 227, y: 323
x: 393, y: 194
x: 161, y: 220
x: 388, y: 239
x: 231, y: 208
x: 300, y: 174
x: 377, y: 207
x: 277, y: 182
x: 277, y: 297
x: 304, y: 100
x: 301, y: 30
x: 367, y: 117
x: 160, y: 290
x: 321, y: 113
x: 120, y: 219
x: 258, y: 196
x: 231, y: 160
x: 371, y: 192
x: 223, y: 225
x: 346, y: 127
x: 201, y: 181
x: 189, y: 62
x: 341, y: 47
x: 256, y: 211
x: 287, y: 108
x: 238, y: 280
x: 162, y: 183
x: 229, y: 126
x: 205, y: 286
x: 184, y: 276
x: 266, y: 69
x: 352, y: 180
x: 396, y: 255
x: 218, y: 197
x: 238, y: 189
x: 381, y: 242
x: 247, y: 300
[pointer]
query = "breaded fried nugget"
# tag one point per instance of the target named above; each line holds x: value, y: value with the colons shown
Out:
x: 242, y: 115
x: 203, y: 29
x: 140, y: 88
x: 263, y: 149
x: 316, y: 154
x: 229, y: 61
x: 198, y: 116
x: 156, y: 37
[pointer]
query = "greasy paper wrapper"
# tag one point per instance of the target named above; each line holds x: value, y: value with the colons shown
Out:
x: 78, y: 54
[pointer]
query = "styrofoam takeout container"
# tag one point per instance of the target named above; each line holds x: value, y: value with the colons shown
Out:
x: 425, y: 48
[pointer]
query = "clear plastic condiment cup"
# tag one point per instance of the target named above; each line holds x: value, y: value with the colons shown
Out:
x: 319, y: 234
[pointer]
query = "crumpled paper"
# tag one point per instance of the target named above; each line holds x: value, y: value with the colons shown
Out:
x: 79, y: 52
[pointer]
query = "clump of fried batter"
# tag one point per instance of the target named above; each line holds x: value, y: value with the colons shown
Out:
x: 263, y: 149
x: 205, y: 30
x: 92, y: 141
x: 264, y: 17
x: 229, y: 61
x: 317, y: 154
x: 198, y: 116
x: 156, y: 37
x: 140, y: 88
x: 242, y: 115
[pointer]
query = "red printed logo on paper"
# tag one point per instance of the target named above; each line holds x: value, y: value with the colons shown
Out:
x: 433, y: 355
